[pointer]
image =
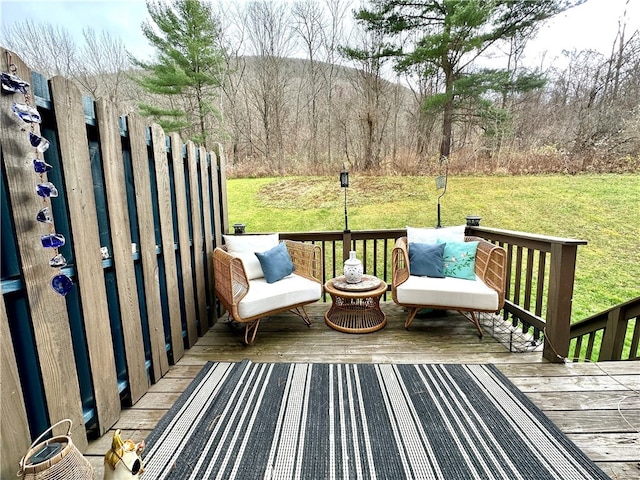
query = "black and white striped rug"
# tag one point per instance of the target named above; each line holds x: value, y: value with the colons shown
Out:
x: 343, y: 421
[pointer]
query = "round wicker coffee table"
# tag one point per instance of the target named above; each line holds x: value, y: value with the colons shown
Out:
x: 355, y: 308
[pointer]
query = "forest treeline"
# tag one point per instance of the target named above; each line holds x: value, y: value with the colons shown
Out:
x: 291, y: 101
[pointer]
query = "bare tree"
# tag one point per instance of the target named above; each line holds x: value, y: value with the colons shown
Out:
x: 235, y: 110
x: 99, y: 66
x: 310, y: 27
x: 47, y: 49
x: 103, y: 66
x: 280, y: 113
x: 420, y: 124
x: 371, y: 88
x: 336, y: 35
x: 270, y: 41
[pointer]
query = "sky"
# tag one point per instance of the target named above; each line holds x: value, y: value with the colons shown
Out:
x: 592, y: 25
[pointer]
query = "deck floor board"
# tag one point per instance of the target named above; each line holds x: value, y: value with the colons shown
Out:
x: 596, y: 405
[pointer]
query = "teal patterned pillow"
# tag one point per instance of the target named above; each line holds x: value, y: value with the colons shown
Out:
x: 460, y: 260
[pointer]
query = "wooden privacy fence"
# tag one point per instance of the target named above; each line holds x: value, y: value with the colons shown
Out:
x: 141, y: 213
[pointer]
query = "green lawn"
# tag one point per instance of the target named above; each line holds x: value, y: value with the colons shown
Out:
x: 602, y: 209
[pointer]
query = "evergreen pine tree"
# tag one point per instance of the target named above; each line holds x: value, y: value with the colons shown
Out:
x: 446, y: 37
x: 188, y: 67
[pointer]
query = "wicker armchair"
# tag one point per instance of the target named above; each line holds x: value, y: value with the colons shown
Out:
x: 249, y: 301
x: 489, y: 268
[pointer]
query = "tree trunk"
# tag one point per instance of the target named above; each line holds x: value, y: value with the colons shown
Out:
x: 447, y: 118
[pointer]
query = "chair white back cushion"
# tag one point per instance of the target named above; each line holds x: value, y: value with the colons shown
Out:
x: 245, y: 246
x: 432, y: 235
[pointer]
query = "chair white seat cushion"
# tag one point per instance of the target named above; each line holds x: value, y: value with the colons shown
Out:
x: 263, y: 297
x: 447, y: 292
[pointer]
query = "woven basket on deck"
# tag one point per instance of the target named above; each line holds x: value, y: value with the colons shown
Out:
x: 55, y: 459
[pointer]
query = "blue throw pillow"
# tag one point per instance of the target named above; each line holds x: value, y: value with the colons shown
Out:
x: 426, y: 260
x: 460, y: 260
x: 276, y: 263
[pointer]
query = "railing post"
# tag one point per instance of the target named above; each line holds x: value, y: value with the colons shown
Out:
x: 613, y: 339
x: 561, y: 280
x: 346, y: 244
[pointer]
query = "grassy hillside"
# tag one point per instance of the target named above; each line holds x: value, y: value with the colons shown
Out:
x: 602, y: 209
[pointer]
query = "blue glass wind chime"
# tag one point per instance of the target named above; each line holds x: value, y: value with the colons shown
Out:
x: 28, y: 114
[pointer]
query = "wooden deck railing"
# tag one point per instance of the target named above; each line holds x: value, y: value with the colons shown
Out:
x: 610, y: 335
x: 539, y: 294
x: 540, y: 269
x: 373, y: 248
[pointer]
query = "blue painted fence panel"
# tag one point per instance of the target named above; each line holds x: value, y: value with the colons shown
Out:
x: 21, y: 295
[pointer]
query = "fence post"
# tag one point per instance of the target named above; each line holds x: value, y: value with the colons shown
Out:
x: 561, y: 280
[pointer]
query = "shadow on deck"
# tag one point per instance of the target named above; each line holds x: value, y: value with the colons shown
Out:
x: 596, y: 405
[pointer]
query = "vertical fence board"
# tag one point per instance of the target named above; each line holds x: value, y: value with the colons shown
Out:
x: 223, y: 210
x: 14, y: 428
x: 74, y: 152
x: 198, y: 244
x: 165, y: 210
x: 182, y: 215
x: 48, y: 309
x: 220, y: 219
x: 215, y: 195
x: 120, y: 229
x: 140, y: 164
x: 207, y: 214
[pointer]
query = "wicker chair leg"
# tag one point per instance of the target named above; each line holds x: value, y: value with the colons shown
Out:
x: 477, y: 324
x: 250, y: 331
x: 473, y: 319
x: 302, y: 313
x: 231, y: 322
x: 412, y: 314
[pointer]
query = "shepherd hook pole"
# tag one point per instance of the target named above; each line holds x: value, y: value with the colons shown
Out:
x: 346, y: 218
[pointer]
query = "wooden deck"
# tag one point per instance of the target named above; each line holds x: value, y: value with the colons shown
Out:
x: 596, y: 405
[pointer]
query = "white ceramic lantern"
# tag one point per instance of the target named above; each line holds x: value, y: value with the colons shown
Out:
x: 352, y: 269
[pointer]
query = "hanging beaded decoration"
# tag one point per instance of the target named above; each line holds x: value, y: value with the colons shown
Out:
x: 28, y: 114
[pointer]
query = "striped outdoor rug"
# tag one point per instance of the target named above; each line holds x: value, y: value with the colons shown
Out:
x: 333, y: 421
